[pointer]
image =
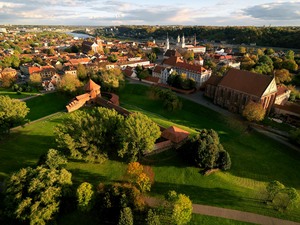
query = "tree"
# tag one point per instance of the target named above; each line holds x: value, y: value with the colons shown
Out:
x: 33, y: 195
x: 85, y: 196
x: 7, y: 81
x: 35, y: 79
x: 12, y: 113
x: 290, y: 55
x: 152, y: 57
x: 112, y: 58
x: 137, y: 134
x: 152, y: 218
x: 295, y: 136
x: 290, y: 65
x: 181, y: 208
x: 205, y: 151
x: 81, y: 72
x: 53, y: 159
x: 282, y: 76
x: 126, y: 217
x: 242, y: 50
x: 269, y: 51
x: 254, y: 111
x: 189, y: 56
x: 273, y: 188
x: 89, y: 135
x: 112, y: 79
x: 69, y: 83
x: 143, y: 74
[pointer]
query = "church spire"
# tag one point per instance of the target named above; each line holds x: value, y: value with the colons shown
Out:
x: 195, y: 41
x: 168, y: 42
x: 183, y: 42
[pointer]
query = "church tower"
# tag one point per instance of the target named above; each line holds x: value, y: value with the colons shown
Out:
x: 98, y: 41
x: 178, y: 40
x: 168, y: 42
x: 183, y: 42
x: 195, y: 41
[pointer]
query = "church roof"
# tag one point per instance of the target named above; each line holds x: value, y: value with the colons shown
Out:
x: 247, y: 82
x: 214, y: 80
x: 91, y: 85
x: 175, y: 134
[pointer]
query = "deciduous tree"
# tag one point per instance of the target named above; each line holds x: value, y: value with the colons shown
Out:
x: 33, y: 195
x: 126, y: 217
x: 254, y: 111
x: 12, y: 113
x: 137, y: 134
x: 282, y: 76
x: 85, y: 196
x: 69, y: 83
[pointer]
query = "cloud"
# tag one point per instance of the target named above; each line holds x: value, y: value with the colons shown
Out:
x: 287, y: 11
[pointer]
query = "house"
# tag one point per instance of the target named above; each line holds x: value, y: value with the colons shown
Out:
x: 175, y: 134
x: 196, y: 72
x: 129, y: 72
x: 234, y: 90
x: 8, y: 72
x: 282, y: 95
x: 163, y: 73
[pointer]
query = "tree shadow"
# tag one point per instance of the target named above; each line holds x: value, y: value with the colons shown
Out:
x: 211, y: 196
x: 79, y: 176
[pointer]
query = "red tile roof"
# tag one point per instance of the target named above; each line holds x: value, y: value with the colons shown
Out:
x: 152, y: 79
x: 214, y: 80
x: 91, y: 85
x: 247, y: 82
x: 172, y: 61
x: 34, y: 69
x: 158, y: 69
x: 175, y: 134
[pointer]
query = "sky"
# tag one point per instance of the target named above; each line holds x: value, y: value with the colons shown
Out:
x: 151, y: 12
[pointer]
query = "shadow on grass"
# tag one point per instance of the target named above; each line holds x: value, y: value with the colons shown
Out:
x: 79, y: 176
x: 210, y: 196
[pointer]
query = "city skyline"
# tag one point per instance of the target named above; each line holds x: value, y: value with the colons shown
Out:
x: 130, y: 12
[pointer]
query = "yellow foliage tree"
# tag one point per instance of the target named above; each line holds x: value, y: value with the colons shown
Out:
x: 254, y: 111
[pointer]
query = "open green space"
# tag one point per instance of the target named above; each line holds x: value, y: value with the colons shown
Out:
x: 211, y: 220
x: 46, y: 104
x: 14, y: 94
x: 256, y: 159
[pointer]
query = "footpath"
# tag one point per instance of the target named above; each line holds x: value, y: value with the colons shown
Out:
x: 228, y: 213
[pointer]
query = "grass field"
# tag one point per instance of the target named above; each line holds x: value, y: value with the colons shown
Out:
x: 46, y: 104
x: 256, y: 159
x: 14, y: 94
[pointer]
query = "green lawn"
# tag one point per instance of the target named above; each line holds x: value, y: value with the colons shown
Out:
x: 46, y: 104
x: 211, y: 220
x: 256, y: 159
x: 14, y: 94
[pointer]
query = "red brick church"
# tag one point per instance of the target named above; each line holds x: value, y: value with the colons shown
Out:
x: 235, y: 89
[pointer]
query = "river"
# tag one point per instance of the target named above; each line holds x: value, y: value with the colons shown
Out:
x: 79, y: 35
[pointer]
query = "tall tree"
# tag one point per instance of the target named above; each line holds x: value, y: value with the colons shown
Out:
x: 12, y: 113
x: 181, y: 208
x: 89, y: 135
x: 69, y: 83
x: 33, y: 195
x: 126, y: 217
x: 85, y: 196
x: 138, y: 135
x: 81, y: 72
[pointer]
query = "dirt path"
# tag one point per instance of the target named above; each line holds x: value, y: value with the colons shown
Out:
x: 228, y: 214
